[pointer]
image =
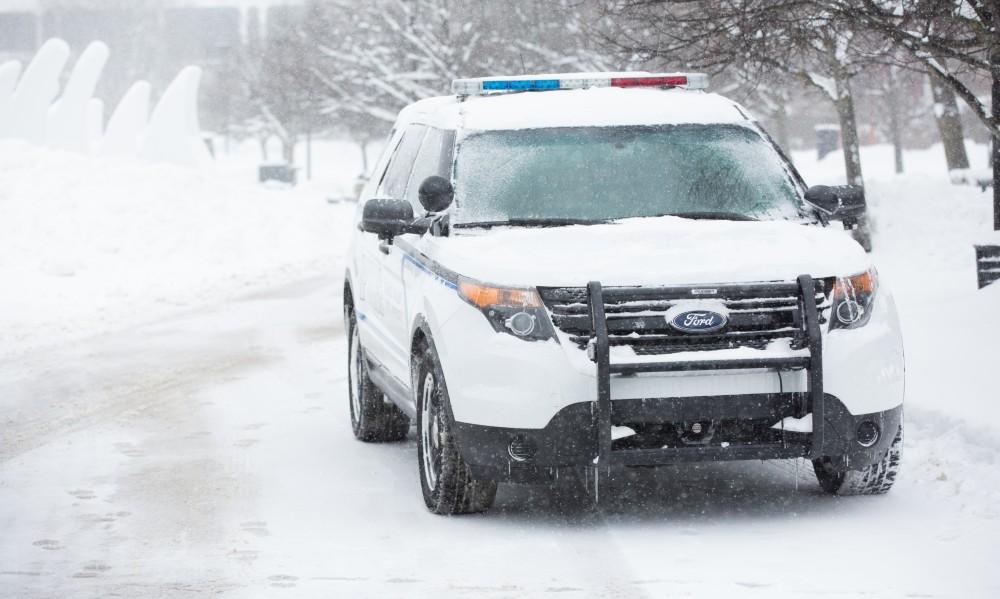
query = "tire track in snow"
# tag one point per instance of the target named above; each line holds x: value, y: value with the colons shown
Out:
x: 55, y: 390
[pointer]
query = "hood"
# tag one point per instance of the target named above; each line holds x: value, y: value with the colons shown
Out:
x: 649, y: 251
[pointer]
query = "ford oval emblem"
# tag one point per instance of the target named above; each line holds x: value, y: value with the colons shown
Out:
x: 698, y: 321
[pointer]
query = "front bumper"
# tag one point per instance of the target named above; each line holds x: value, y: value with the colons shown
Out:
x: 499, y: 380
x: 844, y: 379
x: 570, y: 440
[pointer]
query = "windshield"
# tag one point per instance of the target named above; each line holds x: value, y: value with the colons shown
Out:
x: 596, y: 174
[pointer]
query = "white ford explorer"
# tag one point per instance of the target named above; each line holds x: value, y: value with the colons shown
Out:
x: 569, y: 274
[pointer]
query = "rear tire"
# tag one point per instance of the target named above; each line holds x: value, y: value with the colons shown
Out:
x: 374, y: 419
x: 445, y: 478
x: 876, y: 479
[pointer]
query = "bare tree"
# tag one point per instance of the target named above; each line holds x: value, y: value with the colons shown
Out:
x: 949, y: 122
x: 277, y: 90
x: 796, y: 39
x: 956, y: 41
x: 897, y: 96
x: 373, y: 58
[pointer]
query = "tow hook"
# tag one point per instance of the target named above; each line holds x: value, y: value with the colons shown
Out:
x: 699, y: 432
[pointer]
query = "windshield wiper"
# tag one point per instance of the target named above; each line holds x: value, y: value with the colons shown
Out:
x: 565, y: 222
x: 705, y: 216
x: 531, y: 222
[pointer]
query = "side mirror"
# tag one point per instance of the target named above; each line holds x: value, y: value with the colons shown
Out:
x: 436, y: 194
x: 389, y: 218
x: 838, y: 202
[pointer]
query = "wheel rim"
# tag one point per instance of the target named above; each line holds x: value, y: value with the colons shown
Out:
x: 430, y: 431
x: 355, y: 376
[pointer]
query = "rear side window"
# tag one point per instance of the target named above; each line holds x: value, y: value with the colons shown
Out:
x: 434, y: 158
x: 393, y: 183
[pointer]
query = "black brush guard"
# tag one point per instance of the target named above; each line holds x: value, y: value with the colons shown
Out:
x: 805, y: 289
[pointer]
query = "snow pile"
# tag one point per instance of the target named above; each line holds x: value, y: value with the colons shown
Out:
x: 93, y: 243
x: 924, y: 231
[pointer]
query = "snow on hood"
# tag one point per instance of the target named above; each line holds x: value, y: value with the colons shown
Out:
x: 649, y: 251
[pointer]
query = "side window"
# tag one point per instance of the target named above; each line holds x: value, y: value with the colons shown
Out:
x: 434, y: 158
x: 393, y: 183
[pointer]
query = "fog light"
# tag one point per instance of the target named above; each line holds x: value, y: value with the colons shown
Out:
x: 521, y: 324
x: 849, y: 311
x: 522, y: 448
x: 868, y: 433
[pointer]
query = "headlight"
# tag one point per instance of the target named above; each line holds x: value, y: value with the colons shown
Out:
x: 852, y: 300
x: 512, y: 310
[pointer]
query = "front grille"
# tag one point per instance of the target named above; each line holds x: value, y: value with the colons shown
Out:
x: 758, y: 315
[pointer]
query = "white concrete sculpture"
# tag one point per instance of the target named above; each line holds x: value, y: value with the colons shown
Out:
x: 75, y: 120
x: 9, y: 73
x: 94, y: 128
x: 67, y: 120
x: 173, y: 134
x: 35, y: 91
x: 127, y: 122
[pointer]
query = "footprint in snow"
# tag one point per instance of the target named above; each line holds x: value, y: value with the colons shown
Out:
x: 256, y: 527
x: 247, y: 556
x: 48, y: 544
x: 127, y: 449
x: 92, y: 569
x: 753, y: 585
x: 283, y: 581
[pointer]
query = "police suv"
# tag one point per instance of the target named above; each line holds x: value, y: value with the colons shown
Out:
x: 569, y: 274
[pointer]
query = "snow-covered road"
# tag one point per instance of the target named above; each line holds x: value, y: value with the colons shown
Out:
x: 211, y: 454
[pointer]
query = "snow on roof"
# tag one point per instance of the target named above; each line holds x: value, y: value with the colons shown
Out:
x: 438, y: 111
x: 575, y: 108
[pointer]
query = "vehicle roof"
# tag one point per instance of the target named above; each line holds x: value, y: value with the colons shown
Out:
x: 595, y: 107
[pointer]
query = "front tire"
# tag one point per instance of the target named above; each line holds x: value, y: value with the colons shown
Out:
x: 374, y: 419
x: 876, y: 479
x: 445, y: 478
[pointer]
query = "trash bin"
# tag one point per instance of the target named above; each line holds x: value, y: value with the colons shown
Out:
x: 283, y: 173
x: 827, y: 139
x: 987, y: 264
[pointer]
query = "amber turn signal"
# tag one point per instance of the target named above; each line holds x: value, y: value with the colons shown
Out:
x: 858, y: 285
x: 485, y: 296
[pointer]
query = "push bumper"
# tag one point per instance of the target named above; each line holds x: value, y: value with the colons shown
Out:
x: 581, y: 434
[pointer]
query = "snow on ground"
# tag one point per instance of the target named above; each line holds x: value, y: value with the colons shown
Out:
x: 90, y: 244
x: 211, y: 454
x: 208, y: 450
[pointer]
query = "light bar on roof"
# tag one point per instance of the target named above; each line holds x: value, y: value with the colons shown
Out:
x: 487, y: 85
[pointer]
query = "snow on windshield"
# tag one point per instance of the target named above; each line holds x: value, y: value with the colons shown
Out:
x: 604, y: 173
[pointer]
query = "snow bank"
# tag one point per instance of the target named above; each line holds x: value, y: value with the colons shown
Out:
x: 924, y: 231
x: 89, y: 244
